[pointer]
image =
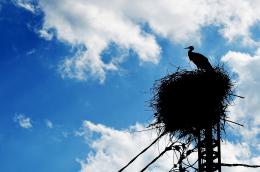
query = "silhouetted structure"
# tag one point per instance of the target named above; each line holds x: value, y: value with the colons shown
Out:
x: 192, y: 105
x: 199, y: 60
x: 209, y: 153
x: 186, y: 101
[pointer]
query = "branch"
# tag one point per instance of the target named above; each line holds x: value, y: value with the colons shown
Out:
x: 237, y: 96
x: 234, y: 122
x: 243, y: 165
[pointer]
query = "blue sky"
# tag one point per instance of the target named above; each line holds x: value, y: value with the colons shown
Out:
x: 76, y: 75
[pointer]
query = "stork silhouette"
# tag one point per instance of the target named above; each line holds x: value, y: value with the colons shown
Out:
x: 199, y: 60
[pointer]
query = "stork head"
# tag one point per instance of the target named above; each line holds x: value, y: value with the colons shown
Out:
x: 190, y: 48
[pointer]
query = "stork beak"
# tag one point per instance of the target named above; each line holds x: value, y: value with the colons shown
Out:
x: 187, y: 48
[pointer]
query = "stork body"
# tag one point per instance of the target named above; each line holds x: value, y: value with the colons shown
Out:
x: 199, y: 60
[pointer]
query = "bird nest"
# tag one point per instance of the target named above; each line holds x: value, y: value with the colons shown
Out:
x: 187, y: 101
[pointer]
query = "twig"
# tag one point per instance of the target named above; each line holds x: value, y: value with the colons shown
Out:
x: 243, y: 165
x: 237, y: 96
x: 142, y: 152
x: 234, y: 122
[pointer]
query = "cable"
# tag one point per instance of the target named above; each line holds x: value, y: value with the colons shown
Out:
x: 142, y: 152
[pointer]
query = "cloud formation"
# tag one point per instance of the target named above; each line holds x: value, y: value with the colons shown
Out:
x: 23, y: 121
x: 97, y: 24
x: 112, y: 149
x: 26, y: 4
x: 48, y: 123
x: 246, y: 111
x: 84, y: 23
x: 238, y: 153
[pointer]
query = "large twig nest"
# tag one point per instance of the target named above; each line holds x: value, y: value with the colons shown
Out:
x: 187, y: 101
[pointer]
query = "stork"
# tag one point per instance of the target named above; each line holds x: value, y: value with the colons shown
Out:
x: 199, y: 60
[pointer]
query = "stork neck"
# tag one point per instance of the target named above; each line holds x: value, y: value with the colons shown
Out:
x: 190, y: 51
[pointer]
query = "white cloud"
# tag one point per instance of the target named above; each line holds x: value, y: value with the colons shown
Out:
x: 26, y: 4
x: 31, y: 52
x: 246, y: 111
x: 44, y: 33
x: 48, y: 123
x: 238, y: 153
x: 97, y: 24
x: 23, y: 121
x: 112, y: 149
x: 95, y: 27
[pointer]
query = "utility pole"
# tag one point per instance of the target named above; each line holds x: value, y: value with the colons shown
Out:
x: 209, y: 156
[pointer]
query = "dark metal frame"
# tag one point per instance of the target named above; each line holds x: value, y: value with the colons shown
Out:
x: 209, y: 153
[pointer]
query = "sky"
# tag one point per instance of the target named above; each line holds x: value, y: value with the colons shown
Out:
x: 76, y: 78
